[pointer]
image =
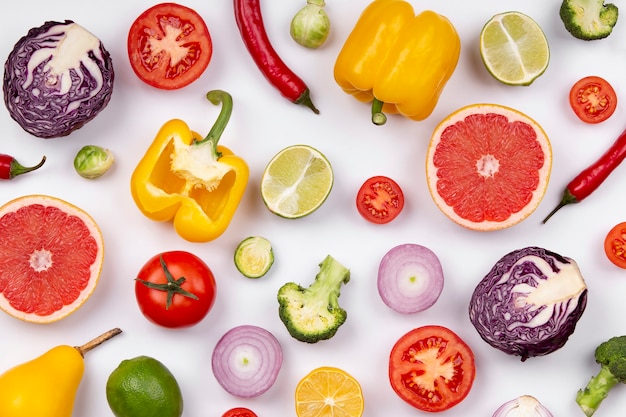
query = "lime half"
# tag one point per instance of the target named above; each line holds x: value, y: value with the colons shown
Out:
x: 514, y: 49
x: 296, y: 182
x: 254, y: 256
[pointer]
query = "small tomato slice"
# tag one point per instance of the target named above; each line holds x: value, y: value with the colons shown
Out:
x: 380, y: 200
x: 239, y: 412
x: 169, y: 46
x: 175, y: 289
x: 593, y: 99
x: 615, y: 245
x: 431, y: 368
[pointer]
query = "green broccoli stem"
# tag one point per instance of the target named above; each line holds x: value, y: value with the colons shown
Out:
x: 590, y: 398
x: 327, y: 284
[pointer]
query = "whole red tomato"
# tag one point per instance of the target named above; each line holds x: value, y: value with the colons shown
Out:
x: 175, y: 289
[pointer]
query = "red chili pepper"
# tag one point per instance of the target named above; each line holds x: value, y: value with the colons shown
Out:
x: 591, y: 177
x: 10, y: 168
x: 250, y: 22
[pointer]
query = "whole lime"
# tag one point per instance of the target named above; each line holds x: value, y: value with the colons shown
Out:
x: 143, y: 387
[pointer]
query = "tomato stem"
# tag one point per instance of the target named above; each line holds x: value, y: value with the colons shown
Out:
x: 173, y: 286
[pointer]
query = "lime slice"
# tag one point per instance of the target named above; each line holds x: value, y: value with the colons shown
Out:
x: 514, y: 49
x: 296, y: 182
x: 254, y: 256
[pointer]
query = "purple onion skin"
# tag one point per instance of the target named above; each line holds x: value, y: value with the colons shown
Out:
x: 50, y: 94
x: 506, y: 323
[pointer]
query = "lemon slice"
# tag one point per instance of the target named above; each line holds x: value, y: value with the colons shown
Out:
x: 514, y: 49
x: 296, y: 182
x: 329, y: 392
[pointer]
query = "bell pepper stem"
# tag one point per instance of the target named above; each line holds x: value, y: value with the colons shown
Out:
x: 216, y: 97
x: 378, y: 117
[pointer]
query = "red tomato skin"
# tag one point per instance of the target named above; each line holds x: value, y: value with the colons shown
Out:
x: 239, y: 412
x: 380, y: 199
x: 593, y: 99
x: 183, y: 311
x: 615, y: 245
x: 155, y: 70
x: 449, y: 345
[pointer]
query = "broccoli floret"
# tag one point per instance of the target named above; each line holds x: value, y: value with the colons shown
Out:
x: 611, y: 355
x: 313, y: 314
x: 588, y: 19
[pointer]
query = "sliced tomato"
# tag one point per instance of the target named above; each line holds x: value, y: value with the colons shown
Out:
x: 380, y: 199
x: 431, y: 368
x: 615, y: 245
x: 593, y: 99
x: 169, y: 46
x: 239, y: 412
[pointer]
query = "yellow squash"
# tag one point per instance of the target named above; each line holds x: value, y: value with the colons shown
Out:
x: 398, y: 61
x: 191, y: 180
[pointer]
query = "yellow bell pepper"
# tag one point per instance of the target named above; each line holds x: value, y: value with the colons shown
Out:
x: 191, y: 180
x: 398, y: 61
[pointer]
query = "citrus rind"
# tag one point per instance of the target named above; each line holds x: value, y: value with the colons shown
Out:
x: 328, y: 391
x: 500, y: 57
x: 433, y: 173
x: 95, y: 267
x: 284, y: 193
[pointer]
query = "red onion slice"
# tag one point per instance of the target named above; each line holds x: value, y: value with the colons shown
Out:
x: 246, y: 361
x: 410, y: 278
x: 526, y: 406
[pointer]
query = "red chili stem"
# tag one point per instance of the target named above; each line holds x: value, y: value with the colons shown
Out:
x: 591, y: 177
x: 10, y: 168
x: 250, y: 23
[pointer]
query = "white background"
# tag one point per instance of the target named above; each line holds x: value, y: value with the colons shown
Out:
x: 263, y: 122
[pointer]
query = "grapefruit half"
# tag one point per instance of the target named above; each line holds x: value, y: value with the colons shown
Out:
x: 488, y: 166
x: 51, y: 255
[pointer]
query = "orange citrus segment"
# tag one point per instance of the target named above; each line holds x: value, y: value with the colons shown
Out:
x: 488, y: 166
x: 329, y: 392
x: 51, y: 255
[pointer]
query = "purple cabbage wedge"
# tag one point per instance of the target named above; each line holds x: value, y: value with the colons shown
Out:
x: 57, y: 78
x: 529, y: 303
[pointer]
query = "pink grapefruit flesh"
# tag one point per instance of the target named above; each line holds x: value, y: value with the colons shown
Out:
x: 51, y: 255
x: 488, y: 166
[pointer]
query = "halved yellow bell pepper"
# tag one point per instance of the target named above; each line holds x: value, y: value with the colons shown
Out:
x: 191, y: 180
x: 398, y: 61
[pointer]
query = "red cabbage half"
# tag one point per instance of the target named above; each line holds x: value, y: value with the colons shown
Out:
x: 529, y: 303
x: 57, y: 78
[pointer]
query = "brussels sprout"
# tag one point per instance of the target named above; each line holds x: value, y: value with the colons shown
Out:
x: 93, y: 161
x: 529, y: 303
x: 311, y: 25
